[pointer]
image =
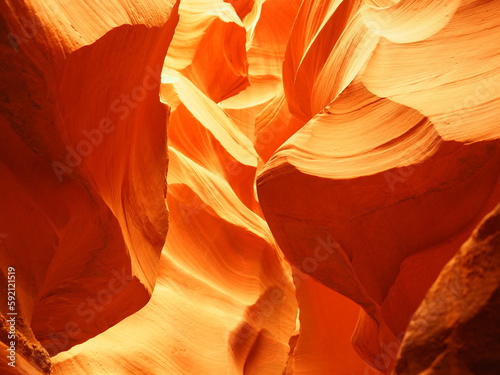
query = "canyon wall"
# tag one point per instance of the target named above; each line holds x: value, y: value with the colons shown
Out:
x: 249, y: 187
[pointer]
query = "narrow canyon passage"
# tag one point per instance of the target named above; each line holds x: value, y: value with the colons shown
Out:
x: 255, y: 187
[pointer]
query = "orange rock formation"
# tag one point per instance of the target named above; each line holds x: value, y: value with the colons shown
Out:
x: 249, y: 187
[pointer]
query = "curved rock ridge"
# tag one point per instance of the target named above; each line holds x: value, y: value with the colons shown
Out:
x: 367, y: 166
x: 83, y: 161
x: 238, y: 314
x: 460, y: 88
x: 329, y: 201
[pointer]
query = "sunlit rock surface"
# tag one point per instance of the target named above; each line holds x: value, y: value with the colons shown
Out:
x: 250, y: 187
x: 83, y: 185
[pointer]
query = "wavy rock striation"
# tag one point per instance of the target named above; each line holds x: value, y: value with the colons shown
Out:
x: 369, y: 170
x: 83, y: 161
x: 326, y: 160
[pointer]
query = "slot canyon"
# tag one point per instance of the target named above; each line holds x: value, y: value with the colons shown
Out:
x: 250, y: 187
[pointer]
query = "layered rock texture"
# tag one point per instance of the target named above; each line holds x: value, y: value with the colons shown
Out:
x: 254, y: 187
x: 457, y: 326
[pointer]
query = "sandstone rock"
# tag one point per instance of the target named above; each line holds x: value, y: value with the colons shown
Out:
x: 83, y: 161
x: 326, y: 160
x: 456, y: 329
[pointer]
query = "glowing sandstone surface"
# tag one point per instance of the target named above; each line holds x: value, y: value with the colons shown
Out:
x: 254, y: 187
